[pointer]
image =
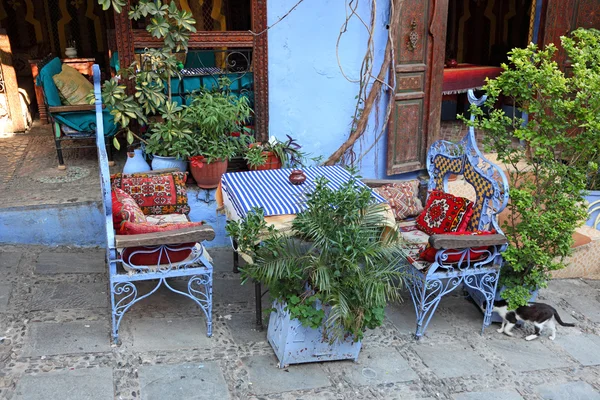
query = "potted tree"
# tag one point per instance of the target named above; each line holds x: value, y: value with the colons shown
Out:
x: 330, y: 280
x: 546, y: 158
x: 215, y: 114
x: 273, y: 154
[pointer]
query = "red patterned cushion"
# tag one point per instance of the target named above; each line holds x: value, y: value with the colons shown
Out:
x: 132, y: 228
x: 146, y: 255
x: 444, y: 213
x: 124, y: 208
x: 156, y: 194
x: 428, y: 253
x: 403, y: 198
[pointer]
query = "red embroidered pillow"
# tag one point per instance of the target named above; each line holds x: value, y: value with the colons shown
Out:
x: 445, y: 213
x: 124, y: 208
x: 403, y: 198
x: 156, y: 194
x: 428, y: 253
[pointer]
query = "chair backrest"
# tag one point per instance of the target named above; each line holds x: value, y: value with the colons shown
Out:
x: 487, y: 179
x: 104, y: 173
x: 45, y: 81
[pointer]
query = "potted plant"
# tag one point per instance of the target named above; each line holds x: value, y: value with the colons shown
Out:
x: 546, y: 158
x: 273, y: 154
x: 330, y: 280
x: 151, y: 106
x: 214, y: 115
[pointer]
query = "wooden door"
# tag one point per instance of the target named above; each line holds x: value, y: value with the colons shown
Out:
x: 564, y: 16
x: 419, y: 58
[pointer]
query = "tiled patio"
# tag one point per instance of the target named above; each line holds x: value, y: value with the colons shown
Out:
x: 54, y: 344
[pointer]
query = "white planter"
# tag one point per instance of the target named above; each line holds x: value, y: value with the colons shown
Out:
x: 136, y: 163
x: 295, y: 344
x: 159, y: 162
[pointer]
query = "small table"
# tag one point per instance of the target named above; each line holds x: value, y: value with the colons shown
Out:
x: 83, y: 65
x: 271, y: 190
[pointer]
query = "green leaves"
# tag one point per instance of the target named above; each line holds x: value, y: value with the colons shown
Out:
x: 560, y: 148
x: 338, y: 254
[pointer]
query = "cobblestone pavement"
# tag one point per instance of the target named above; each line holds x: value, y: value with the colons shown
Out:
x: 29, y: 174
x: 54, y: 344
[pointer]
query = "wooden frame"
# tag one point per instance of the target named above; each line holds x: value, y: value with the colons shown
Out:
x: 130, y: 39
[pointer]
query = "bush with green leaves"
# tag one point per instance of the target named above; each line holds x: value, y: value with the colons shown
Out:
x: 340, y: 255
x: 547, y: 159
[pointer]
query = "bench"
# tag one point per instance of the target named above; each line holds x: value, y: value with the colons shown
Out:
x: 428, y: 282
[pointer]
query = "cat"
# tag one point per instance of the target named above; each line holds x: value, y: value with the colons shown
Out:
x: 539, y: 314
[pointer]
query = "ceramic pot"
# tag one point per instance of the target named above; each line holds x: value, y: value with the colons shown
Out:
x: 135, y: 163
x: 159, y: 162
x: 272, y: 162
x: 297, y: 177
x: 452, y: 63
x: 71, y: 52
x: 207, y: 176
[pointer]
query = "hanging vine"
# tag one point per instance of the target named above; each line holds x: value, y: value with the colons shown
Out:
x: 371, y: 87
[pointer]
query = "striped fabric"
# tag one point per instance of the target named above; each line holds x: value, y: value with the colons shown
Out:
x: 272, y: 190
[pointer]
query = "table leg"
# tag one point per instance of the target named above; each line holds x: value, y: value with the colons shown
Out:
x: 236, y: 258
x: 258, y: 300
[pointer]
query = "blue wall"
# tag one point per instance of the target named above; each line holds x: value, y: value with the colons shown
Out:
x: 309, y: 98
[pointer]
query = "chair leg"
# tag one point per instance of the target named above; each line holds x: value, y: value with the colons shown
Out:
x: 56, y: 132
x: 426, y: 295
x: 486, y: 284
x: 109, y: 152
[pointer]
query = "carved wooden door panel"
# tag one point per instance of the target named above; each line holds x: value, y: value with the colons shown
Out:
x: 419, y: 58
x: 564, y: 16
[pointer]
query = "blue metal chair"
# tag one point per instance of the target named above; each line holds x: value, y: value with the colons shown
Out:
x: 479, y: 276
x: 122, y: 251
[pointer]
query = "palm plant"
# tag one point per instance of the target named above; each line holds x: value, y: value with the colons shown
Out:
x: 340, y: 255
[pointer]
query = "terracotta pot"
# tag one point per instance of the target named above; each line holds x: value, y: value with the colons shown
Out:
x: 297, y: 177
x: 207, y: 176
x: 273, y: 162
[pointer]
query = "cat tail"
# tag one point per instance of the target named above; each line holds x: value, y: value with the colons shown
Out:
x: 560, y: 321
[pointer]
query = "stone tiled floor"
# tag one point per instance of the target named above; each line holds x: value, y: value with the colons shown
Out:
x: 29, y: 174
x: 55, y: 324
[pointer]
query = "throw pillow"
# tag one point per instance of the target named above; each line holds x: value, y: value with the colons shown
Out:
x: 403, y: 198
x: 156, y: 194
x: 444, y: 213
x: 73, y: 87
x: 428, y: 253
x: 124, y: 208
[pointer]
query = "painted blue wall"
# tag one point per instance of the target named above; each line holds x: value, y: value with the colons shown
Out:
x: 309, y: 98
x: 82, y: 224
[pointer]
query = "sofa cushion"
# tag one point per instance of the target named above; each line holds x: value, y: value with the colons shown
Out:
x: 444, y: 213
x: 403, y: 198
x: 124, y: 208
x: 156, y: 194
x: 72, y: 86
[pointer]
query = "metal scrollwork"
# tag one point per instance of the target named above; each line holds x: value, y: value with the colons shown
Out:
x: 413, y: 36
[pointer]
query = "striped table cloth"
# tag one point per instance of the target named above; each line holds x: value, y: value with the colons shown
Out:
x: 272, y: 190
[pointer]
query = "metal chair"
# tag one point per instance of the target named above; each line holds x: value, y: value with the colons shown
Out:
x: 70, y: 122
x: 127, y: 255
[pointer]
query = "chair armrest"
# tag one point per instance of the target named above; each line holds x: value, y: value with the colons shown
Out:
x: 466, y: 241
x: 374, y: 183
x: 195, y: 234
x: 75, y: 108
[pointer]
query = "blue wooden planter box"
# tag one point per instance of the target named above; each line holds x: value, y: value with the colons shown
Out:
x: 295, y: 344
